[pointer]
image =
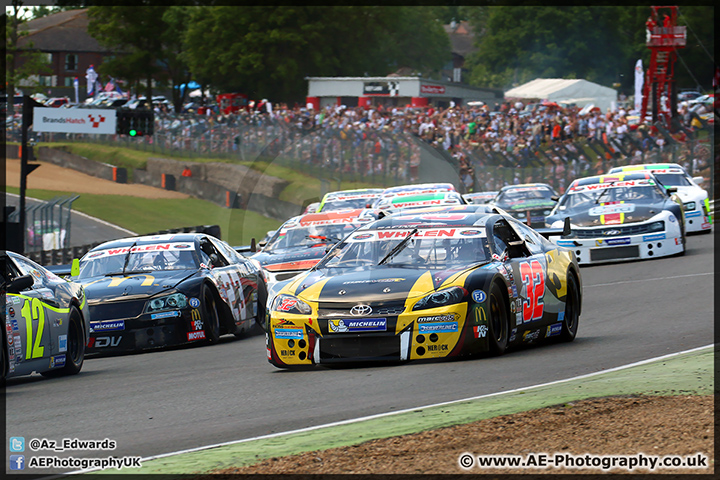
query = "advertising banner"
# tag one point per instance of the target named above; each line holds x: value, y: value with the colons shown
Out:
x: 74, y: 120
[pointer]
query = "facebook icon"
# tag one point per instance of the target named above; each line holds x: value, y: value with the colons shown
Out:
x: 17, y: 462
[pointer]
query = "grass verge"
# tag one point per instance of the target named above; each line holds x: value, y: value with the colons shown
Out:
x: 690, y: 373
x: 144, y: 215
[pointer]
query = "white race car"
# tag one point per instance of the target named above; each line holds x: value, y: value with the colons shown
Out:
x: 618, y: 217
x: 696, y: 205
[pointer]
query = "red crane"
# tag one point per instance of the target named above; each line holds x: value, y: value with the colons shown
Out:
x: 663, y: 38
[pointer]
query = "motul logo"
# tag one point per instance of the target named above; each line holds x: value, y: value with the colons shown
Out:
x: 196, y: 336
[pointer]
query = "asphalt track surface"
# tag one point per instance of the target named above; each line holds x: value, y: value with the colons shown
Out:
x: 165, y: 401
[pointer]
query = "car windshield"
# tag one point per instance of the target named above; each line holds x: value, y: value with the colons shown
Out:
x: 517, y: 196
x: 429, y: 248
x: 346, y: 203
x: 299, y: 236
x: 111, y: 261
x: 673, y: 179
x: 585, y: 199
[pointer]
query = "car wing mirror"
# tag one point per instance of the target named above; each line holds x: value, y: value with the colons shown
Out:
x: 18, y: 284
x: 698, y: 180
x: 671, y: 190
x: 253, y: 245
x: 554, y: 198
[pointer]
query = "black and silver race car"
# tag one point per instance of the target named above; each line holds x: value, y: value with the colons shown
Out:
x: 530, y: 202
x: 46, y: 323
x: 424, y: 284
x: 156, y: 291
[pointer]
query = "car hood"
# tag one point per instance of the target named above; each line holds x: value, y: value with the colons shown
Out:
x: 616, y: 214
x: 371, y: 285
x: 132, y: 286
x: 289, y: 260
x: 527, y: 205
x: 689, y: 194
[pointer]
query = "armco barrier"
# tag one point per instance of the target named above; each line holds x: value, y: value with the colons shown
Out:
x: 82, y: 164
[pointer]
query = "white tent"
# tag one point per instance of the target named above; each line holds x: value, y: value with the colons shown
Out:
x: 579, y: 92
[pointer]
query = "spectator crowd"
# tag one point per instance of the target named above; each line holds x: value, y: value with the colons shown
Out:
x: 511, y: 142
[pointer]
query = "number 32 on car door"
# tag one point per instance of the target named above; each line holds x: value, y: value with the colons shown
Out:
x: 533, y: 278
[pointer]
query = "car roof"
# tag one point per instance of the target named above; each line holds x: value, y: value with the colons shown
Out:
x: 525, y: 185
x: 150, y: 239
x: 463, y: 215
x: 332, y: 216
x: 648, y: 166
x: 616, y: 177
x: 419, y: 186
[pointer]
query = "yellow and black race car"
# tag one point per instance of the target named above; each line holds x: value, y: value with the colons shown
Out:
x: 425, y: 284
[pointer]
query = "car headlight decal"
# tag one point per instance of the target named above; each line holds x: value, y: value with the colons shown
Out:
x: 689, y: 206
x: 290, y: 304
x: 166, y: 302
x: 441, y: 298
x: 656, y: 227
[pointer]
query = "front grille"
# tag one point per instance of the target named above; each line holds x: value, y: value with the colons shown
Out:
x: 614, y: 253
x: 343, y: 310
x: 368, y: 347
x: 624, y: 230
x: 110, y: 311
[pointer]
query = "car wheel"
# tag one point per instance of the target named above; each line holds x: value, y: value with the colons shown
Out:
x: 497, y: 321
x: 211, y: 318
x: 572, y: 310
x: 75, y: 354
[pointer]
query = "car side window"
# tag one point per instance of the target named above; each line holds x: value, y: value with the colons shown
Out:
x: 220, y: 252
x: 26, y: 268
x: 504, y: 237
x: 532, y: 242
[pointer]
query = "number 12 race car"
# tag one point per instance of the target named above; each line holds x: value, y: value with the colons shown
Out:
x: 46, y: 321
x: 427, y: 284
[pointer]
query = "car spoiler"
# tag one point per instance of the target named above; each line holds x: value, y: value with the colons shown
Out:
x: 60, y: 270
x: 244, y: 250
x: 556, y: 232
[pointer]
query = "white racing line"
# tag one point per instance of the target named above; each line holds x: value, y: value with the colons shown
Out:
x: 648, y: 280
x: 387, y: 414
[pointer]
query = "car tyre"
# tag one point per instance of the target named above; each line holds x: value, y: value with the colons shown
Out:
x: 572, y: 310
x: 75, y: 354
x: 498, y: 329
x: 210, y: 315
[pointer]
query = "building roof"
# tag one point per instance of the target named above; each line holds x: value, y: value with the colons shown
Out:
x: 61, y: 32
x: 462, y: 38
x: 577, y: 91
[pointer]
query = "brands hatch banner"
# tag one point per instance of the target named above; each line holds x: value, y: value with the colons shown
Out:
x: 74, y: 120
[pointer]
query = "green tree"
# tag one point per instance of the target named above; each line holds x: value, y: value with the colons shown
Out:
x: 269, y: 51
x: 149, y: 36
x: 20, y: 63
x: 598, y: 43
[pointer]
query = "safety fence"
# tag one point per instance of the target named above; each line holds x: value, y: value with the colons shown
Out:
x: 48, y: 224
